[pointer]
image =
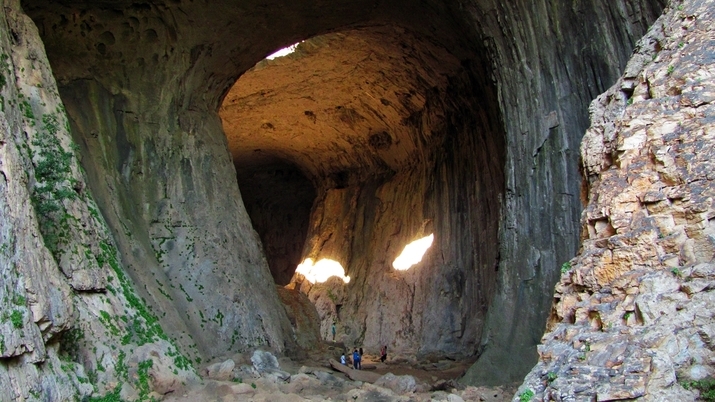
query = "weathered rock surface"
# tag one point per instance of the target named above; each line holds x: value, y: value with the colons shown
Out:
x: 72, y: 323
x: 389, y: 155
x: 399, y: 384
x: 221, y: 371
x: 303, y: 317
x: 632, y: 318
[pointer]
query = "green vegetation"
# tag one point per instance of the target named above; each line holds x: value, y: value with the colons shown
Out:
x: 19, y: 300
x: 26, y: 109
x: 143, y: 381
x: 526, y: 396
x: 120, y: 367
x: 110, y: 397
x: 219, y: 318
x: 706, y: 387
x: 16, y: 318
x: 253, y: 385
x: 551, y: 376
x: 233, y: 338
x: 142, y: 332
x: 70, y: 344
x: 675, y: 271
x: 671, y: 68
x: 161, y: 290
x: 627, y: 315
x: 54, y: 183
x: 565, y: 267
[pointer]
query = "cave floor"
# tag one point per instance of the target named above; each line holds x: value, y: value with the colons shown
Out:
x: 335, y: 386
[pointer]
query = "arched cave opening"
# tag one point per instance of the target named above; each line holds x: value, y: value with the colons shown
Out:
x: 401, y: 139
x: 465, y: 122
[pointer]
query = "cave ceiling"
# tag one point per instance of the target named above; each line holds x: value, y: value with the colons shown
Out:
x: 342, y: 102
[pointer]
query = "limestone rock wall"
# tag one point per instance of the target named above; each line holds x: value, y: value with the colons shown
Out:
x: 549, y: 61
x: 71, y: 319
x: 632, y: 317
x: 158, y: 165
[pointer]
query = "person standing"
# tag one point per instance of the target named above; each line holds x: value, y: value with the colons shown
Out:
x: 333, y: 330
x: 356, y: 359
x: 342, y: 360
x: 383, y: 353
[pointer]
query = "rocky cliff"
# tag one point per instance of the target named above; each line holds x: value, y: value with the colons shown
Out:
x: 632, y: 315
x: 72, y: 321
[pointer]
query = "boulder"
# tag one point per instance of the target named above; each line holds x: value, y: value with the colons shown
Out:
x: 264, y: 362
x: 400, y: 384
x: 222, y: 371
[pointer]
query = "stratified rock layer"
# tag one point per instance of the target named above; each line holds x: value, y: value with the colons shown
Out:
x: 633, y: 317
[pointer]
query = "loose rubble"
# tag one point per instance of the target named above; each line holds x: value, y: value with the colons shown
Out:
x: 329, y: 382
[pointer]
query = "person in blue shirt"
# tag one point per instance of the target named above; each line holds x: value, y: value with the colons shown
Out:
x: 356, y: 359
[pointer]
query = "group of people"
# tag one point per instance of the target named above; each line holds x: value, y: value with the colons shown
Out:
x: 357, y: 357
x: 357, y: 353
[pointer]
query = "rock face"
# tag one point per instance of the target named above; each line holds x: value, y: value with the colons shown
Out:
x: 633, y: 316
x: 478, y: 146
x: 72, y: 322
x: 278, y: 199
x: 402, y: 162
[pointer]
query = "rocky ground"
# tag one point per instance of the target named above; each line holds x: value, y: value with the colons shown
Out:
x: 263, y: 377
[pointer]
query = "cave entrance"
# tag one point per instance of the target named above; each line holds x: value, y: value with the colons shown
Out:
x: 356, y: 144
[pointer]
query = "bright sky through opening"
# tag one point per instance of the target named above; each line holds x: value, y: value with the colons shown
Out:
x: 321, y: 270
x: 413, y: 252
x: 283, y: 52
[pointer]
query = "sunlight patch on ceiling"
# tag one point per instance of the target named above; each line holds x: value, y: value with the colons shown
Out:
x: 321, y: 270
x: 413, y: 252
x: 283, y: 52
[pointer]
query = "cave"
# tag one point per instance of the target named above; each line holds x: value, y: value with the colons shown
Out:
x: 219, y: 171
x: 402, y: 140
